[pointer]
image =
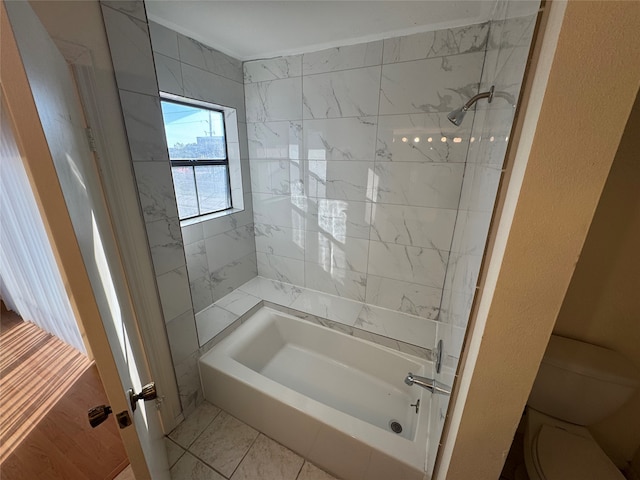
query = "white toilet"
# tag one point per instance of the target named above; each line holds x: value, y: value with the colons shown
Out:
x: 578, y: 384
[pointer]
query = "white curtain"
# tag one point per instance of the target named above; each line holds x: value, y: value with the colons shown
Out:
x: 30, y: 282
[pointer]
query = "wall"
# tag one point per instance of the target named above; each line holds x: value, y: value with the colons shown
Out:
x: 354, y: 192
x: 601, y: 305
x: 565, y: 147
x: 220, y: 252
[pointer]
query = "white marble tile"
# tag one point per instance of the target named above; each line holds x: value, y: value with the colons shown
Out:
x: 189, y: 388
x: 331, y: 307
x: 238, y: 302
x: 209, y: 87
x: 190, y: 468
x: 185, y: 433
x: 279, y: 177
x: 268, y: 459
x: 283, y: 269
x: 432, y: 85
x: 348, y: 93
x: 506, y: 75
x: 130, y: 48
x: 418, y: 184
x: 350, y: 254
x: 274, y: 100
x: 275, y: 140
x: 201, y: 292
x: 340, y: 138
x: 232, y: 275
x: 272, y: 290
x: 211, y: 321
x: 216, y: 226
x: 452, y: 340
x: 471, y: 232
x: 272, y: 69
x: 229, y: 246
x: 456, y: 308
x: 224, y: 443
x: 196, y: 257
x: 164, y: 40
x: 462, y: 273
x: 206, y: 58
x: 169, y: 74
x: 335, y: 281
x: 279, y: 210
x: 343, y: 58
x: 281, y: 241
x: 133, y: 8
x: 512, y: 32
x: 416, y: 226
x: 419, y: 138
x: 406, y: 297
x: 175, y: 296
x: 439, y: 43
x: 338, y: 180
x: 339, y: 218
x: 183, y: 338
x: 145, y: 128
x: 192, y: 233
x: 174, y: 452
x: 396, y: 325
x: 424, y: 266
x: 490, y: 135
x: 165, y: 242
x: 311, y: 472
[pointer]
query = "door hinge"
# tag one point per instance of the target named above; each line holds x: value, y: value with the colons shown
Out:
x: 91, y: 139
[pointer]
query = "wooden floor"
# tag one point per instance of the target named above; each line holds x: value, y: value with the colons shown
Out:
x: 46, y: 388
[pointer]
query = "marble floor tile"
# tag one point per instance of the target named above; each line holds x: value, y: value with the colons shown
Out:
x: 224, y: 443
x: 185, y: 433
x: 174, y: 451
x: 311, y: 472
x: 190, y: 468
x: 268, y: 460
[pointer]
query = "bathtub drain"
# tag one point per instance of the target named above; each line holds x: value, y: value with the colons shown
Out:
x: 395, y: 426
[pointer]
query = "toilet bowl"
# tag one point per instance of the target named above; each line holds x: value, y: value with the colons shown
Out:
x: 578, y: 384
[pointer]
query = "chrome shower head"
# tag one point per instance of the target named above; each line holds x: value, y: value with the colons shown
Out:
x: 458, y: 114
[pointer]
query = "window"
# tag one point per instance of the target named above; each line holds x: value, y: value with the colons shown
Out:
x: 197, y: 142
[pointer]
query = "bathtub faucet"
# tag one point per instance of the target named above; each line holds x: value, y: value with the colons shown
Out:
x: 430, y: 384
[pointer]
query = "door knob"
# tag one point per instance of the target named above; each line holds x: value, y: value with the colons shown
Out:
x: 148, y: 393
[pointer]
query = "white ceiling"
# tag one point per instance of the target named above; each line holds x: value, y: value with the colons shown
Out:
x: 248, y: 30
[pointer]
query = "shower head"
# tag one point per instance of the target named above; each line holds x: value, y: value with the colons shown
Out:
x: 458, y: 114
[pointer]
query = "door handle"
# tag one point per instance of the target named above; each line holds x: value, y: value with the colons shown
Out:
x: 147, y: 394
x: 99, y: 414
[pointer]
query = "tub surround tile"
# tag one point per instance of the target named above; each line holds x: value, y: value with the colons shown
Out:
x: 174, y: 451
x: 190, y: 468
x: 396, y: 325
x: 350, y: 254
x: 164, y: 40
x: 439, y: 43
x: 452, y: 81
x: 224, y: 443
x: 274, y: 100
x: 145, y: 130
x: 186, y: 433
x: 228, y: 278
x: 196, y: 256
x: 338, y: 180
x: 211, y: 321
x: 329, y: 307
x: 425, y: 137
x: 268, y: 459
x: 272, y: 290
x: 189, y: 386
x: 165, y: 241
x: 342, y: 58
x: 348, y: 93
x: 192, y: 233
x: 169, y: 74
x: 201, y: 293
x: 275, y: 140
x: 339, y: 218
x: 340, y: 138
x: 175, y: 296
x: 311, y: 472
x: 283, y: 269
x: 335, y: 281
x: 209, y: 87
x: 238, y: 302
x: 277, y: 177
x: 280, y: 241
x: 206, y: 58
x: 229, y: 246
x: 155, y: 190
x: 279, y: 210
x: 406, y: 297
x: 183, y: 338
x: 272, y: 69
x: 233, y: 221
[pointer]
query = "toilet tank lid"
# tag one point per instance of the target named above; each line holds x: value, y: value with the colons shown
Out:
x: 590, y: 360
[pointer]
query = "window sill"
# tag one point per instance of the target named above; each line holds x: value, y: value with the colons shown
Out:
x: 210, y: 216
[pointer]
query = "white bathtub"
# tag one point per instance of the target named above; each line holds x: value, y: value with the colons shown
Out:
x: 326, y: 395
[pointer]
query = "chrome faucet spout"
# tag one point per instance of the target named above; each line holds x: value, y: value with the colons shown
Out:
x: 434, y: 386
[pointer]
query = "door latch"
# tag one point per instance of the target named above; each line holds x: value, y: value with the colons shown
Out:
x: 99, y: 414
x: 148, y: 393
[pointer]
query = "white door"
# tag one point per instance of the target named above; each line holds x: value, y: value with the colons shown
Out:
x: 49, y: 126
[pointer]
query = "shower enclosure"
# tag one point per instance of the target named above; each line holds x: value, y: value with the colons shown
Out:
x: 355, y: 183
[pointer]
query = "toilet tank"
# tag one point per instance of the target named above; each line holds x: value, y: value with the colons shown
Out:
x: 581, y: 383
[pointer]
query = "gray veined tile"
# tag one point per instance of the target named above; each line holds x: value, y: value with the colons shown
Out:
x: 238, y: 302
x: 283, y: 269
x: 165, y: 241
x: 432, y: 85
x: 272, y: 290
x: 189, y: 388
x: 229, y: 246
x: 350, y: 254
x: 339, y: 218
x: 211, y: 321
x: 281, y: 241
x: 164, y: 40
x: 145, y: 128
x: 272, y: 69
x: 268, y: 460
x: 411, y: 298
x: 275, y: 140
x: 224, y: 443
x: 279, y: 177
x: 206, y: 58
x: 340, y: 138
x: 274, y: 100
x: 347, y: 93
x: 169, y: 74
x: 210, y: 87
x: 335, y: 281
x: 175, y: 296
x: 343, y: 58
x: 233, y: 275
x: 183, y: 338
x: 339, y: 180
x: 190, y: 468
x: 186, y: 433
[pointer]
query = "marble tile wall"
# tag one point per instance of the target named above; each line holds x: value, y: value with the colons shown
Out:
x: 356, y: 171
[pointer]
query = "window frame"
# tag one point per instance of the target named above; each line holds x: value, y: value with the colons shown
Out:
x: 193, y: 163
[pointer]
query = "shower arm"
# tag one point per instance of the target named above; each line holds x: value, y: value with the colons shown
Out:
x: 479, y: 96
